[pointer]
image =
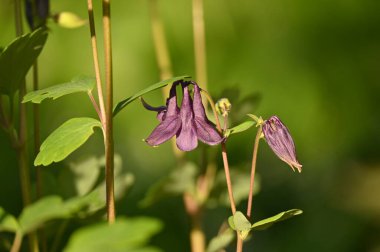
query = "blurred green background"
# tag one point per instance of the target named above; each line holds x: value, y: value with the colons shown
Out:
x: 315, y: 64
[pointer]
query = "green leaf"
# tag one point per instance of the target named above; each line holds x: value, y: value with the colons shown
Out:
x: 266, y: 223
x: 8, y: 222
x: 17, y: 58
x: 151, y: 88
x: 221, y: 241
x: 123, y: 235
x: 180, y: 180
x: 240, y: 223
x: 66, y: 139
x: 240, y: 128
x: 78, y: 84
x: 43, y: 210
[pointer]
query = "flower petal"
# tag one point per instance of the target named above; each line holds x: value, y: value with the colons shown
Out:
x: 206, y: 131
x: 187, y: 137
x: 281, y: 142
x: 164, y: 131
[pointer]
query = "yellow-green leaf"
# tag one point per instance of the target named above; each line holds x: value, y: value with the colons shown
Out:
x: 78, y: 84
x: 66, y: 139
x: 266, y: 223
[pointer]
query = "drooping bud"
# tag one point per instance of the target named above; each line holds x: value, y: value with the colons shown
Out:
x: 280, y: 141
x: 37, y: 12
x: 223, y: 106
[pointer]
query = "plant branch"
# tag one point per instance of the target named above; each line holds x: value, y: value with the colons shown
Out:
x: 109, y: 147
x: 95, y: 56
x: 199, y: 43
x: 16, y: 242
x: 253, y: 170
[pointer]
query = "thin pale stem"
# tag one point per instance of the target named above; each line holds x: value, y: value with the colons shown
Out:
x: 36, y: 130
x: 94, y: 104
x: 199, y: 43
x: 95, y: 56
x: 253, y: 171
x: 109, y: 147
x: 17, y: 243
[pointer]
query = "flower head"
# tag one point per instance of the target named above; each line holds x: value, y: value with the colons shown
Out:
x: 37, y: 12
x: 280, y: 141
x: 189, y: 123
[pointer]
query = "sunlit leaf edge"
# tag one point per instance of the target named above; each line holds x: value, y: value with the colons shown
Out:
x: 122, y: 104
x: 267, y: 222
x: 77, y: 84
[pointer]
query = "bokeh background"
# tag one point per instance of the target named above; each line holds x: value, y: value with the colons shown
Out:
x: 315, y: 64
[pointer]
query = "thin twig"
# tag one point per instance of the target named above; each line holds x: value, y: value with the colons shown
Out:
x: 109, y: 148
x: 17, y: 243
x: 199, y: 43
x: 95, y: 56
x: 253, y: 170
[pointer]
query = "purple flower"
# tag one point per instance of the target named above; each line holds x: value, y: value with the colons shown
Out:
x: 189, y: 123
x: 37, y: 11
x: 280, y: 141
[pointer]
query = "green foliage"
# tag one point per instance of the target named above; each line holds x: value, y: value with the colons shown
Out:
x: 151, y: 88
x: 240, y: 128
x: 221, y: 241
x: 180, y: 180
x: 77, y: 84
x: 8, y: 222
x: 266, y: 223
x: 66, y: 139
x: 242, y: 225
x: 123, y: 235
x: 17, y: 58
x: 45, y: 209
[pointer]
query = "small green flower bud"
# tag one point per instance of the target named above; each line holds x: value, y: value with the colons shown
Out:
x: 223, y: 106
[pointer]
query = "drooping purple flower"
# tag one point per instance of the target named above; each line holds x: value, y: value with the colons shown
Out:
x: 37, y: 12
x: 280, y: 141
x: 189, y: 123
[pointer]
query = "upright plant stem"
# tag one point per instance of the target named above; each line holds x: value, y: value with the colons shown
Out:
x: 22, y: 136
x: 109, y: 148
x: 17, y: 243
x: 95, y: 56
x: 253, y: 171
x: 199, y: 43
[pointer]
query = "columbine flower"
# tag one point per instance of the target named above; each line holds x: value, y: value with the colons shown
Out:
x: 280, y: 141
x: 37, y: 12
x: 189, y: 123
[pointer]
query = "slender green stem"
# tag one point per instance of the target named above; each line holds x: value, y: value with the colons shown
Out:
x: 95, y: 56
x: 36, y: 130
x: 94, y: 104
x: 253, y: 170
x: 22, y: 136
x: 109, y: 147
x: 199, y: 43
x: 17, y: 243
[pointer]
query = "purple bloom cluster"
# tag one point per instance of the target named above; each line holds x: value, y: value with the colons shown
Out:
x: 37, y: 11
x: 280, y: 141
x: 188, y: 123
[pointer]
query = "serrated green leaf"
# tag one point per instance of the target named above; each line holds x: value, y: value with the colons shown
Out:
x: 179, y: 181
x: 43, y: 210
x: 8, y: 222
x: 151, y: 88
x: 78, y: 84
x: 266, y: 223
x: 221, y: 241
x: 240, y: 128
x: 123, y: 235
x: 66, y: 139
x: 17, y: 58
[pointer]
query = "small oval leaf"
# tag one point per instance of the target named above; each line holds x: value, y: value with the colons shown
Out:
x: 240, y: 128
x: 266, y: 223
x: 151, y: 88
x: 221, y: 241
x: 8, y: 222
x: 66, y: 139
x: 78, y: 84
